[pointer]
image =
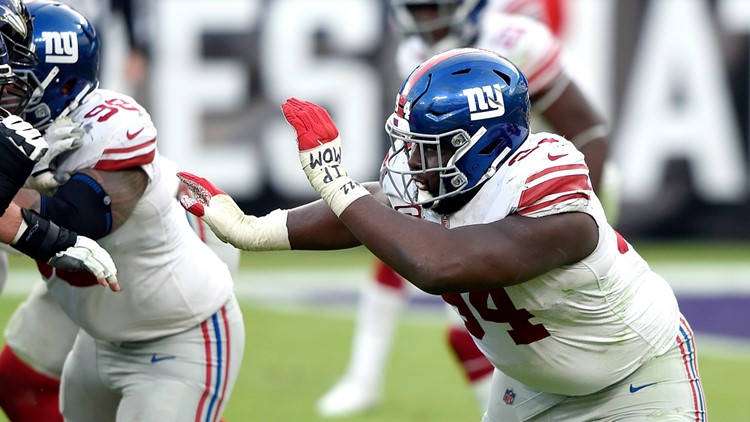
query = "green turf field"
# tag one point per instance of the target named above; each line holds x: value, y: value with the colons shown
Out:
x: 293, y: 356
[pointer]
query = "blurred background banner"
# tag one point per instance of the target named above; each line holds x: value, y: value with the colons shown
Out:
x: 670, y: 75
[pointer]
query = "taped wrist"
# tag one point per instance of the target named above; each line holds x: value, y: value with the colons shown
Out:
x: 326, y: 175
x: 15, y: 168
x: 267, y: 233
x: 341, y: 193
x: 40, y: 238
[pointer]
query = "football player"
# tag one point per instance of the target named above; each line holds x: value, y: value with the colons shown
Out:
x: 170, y: 348
x: 503, y: 223
x: 428, y: 27
x: 21, y: 150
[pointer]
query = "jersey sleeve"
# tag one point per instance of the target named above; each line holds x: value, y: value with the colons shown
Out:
x: 119, y: 134
x: 527, y: 43
x: 130, y: 152
x: 133, y: 139
x: 557, y: 180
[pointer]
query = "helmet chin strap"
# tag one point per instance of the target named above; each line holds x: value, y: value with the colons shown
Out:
x: 77, y: 100
x: 45, y: 83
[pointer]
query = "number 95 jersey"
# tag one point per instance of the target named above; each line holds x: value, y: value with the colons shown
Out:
x: 578, y: 328
x: 171, y: 281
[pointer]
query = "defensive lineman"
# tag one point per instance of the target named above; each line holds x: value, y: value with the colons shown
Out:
x: 509, y: 232
x: 171, y: 347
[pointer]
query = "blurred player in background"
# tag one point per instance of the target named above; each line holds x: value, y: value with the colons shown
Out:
x: 171, y: 347
x: 124, y: 31
x: 428, y: 27
x: 23, y: 149
x: 503, y: 223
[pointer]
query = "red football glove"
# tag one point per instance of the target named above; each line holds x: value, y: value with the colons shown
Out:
x: 319, y: 148
x: 313, y: 124
x: 202, y: 191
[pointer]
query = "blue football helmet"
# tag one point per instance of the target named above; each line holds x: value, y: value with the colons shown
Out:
x: 472, y: 101
x: 452, y: 24
x: 67, y: 46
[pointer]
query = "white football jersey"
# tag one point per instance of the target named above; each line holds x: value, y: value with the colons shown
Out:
x: 578, y: 328
x: 527, y: 43
x: 170, y: 280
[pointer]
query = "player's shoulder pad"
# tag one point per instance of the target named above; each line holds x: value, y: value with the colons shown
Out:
x: 543, y: 151
x: 122, y: 125
x: 552, y: 174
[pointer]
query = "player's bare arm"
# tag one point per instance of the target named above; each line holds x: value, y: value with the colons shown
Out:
x: 508, y: 251
x: 315, y: 227
x: 122, y: 188
x: 503, y: 253
x: 9, y: 223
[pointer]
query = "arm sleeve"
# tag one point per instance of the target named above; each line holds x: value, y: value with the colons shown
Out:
x: 81, y: 204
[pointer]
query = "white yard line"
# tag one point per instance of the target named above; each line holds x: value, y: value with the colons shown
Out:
x: 284, y: 284
x: 336, y: 292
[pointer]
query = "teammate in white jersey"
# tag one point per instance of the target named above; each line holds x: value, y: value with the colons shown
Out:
x: 431, y: 26
x: 505, y: 225
x: 22, y: 148
x: 170, y: 348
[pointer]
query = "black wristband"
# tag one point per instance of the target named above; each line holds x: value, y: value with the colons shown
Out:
x: 15, y: 168
x: 43, y: 238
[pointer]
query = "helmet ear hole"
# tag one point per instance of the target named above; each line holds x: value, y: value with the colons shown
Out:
x: 489, y: 149
x: 503, y: 76
x: 68, y: 86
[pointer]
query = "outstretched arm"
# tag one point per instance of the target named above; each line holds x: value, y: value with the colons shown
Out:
x: 311, y: 226
x: 314, y: 226
x: 436, y: 259
x: 484, y: 256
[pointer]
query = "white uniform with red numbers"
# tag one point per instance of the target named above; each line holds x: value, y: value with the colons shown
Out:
x: 578, y: 331
x: 170, y: 344
x: 171, y: 280
x: 39, y: 331
x: 527, y: 43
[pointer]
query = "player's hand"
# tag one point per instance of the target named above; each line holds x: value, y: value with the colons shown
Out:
x: 312, y: 123
x: 227, y: 220
x: 211, y: 204
x: 87, y: 255
x: 23, y: 136
x: 63, y: 135
x: 319, y: 148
